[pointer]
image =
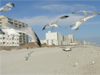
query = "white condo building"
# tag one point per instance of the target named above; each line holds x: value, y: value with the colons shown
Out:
x: 71, y: 36
x: 55, y: 38
x: 6, y: 40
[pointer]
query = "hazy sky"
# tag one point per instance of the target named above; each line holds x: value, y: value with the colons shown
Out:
x: 37, y: 13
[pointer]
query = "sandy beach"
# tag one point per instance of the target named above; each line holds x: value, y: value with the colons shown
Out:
x: 51, y: 61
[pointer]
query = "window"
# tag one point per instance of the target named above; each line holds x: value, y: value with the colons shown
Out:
x: 9, y: 19
x: 15, y: 21
x: 3, y: 37
x: 3, y: 42
x: 47, y: 41
x: 11, y: 22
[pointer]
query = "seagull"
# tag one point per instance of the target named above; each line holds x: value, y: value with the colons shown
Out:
x: 54, y: 25
x: 28, y: 55
x: 93, y: 62
x: 85, y: 12
x: 69, y: 55
x: 81, y: 21
x: 93, y: 51
x: 5, y: 8
x: 53, y: 52
x: 27, y: 30
x: 75, y: 64
x: 86, y: 53
x: 67, y: 49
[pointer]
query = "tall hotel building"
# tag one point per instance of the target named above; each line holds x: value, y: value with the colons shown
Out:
x: 71, y: 36
x: 55, y: 38
x: 6, y: 40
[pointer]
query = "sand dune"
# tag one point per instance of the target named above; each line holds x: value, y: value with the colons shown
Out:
x: 52, y: 60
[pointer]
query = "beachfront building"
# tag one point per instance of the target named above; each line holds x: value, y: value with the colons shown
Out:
x: 6, y: 40
x: 43, y: 41
x: 76, y: 42
x: 71, y: 36
x: 23, y: 38
x: 65, y: 40
x: 83, y: 42
x: 55, y: 38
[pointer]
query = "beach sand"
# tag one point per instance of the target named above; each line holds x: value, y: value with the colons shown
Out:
x: 51, y: 61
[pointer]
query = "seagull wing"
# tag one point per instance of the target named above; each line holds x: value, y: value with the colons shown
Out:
x: 1, y: 32
x: 45, y: 26
x: 62, y: 17
x: 82, y: 20
x: 4, y: 8
x: 77, y: 12
x: 31, y: 52
x: 10, y: 4
x: 27, y: 30
x: 10, y: 32
x: 70, y: 25
x: 91, y: 15
x: 89, y: 12
x: 85, y: 12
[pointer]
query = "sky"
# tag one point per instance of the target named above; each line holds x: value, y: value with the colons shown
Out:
x: 37, y: 13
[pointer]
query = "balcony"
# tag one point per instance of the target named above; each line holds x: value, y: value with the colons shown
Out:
x: 10, y: 20
x: 15, y: 21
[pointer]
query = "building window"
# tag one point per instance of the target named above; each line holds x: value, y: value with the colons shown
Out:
x: 3, y: 42
x: 15, y: 21
x: 9, y: 19
x: 15, y: 24
x: 47, y: 41
x: 3, y: 37
x: 11, y: 22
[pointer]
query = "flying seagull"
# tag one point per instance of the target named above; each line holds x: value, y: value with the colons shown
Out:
x: 85, y: 12
x: 54, y: 25
x: 82, y: 20
x: 27, y: 30
x: 6, y: 7
x: 28, y: 55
